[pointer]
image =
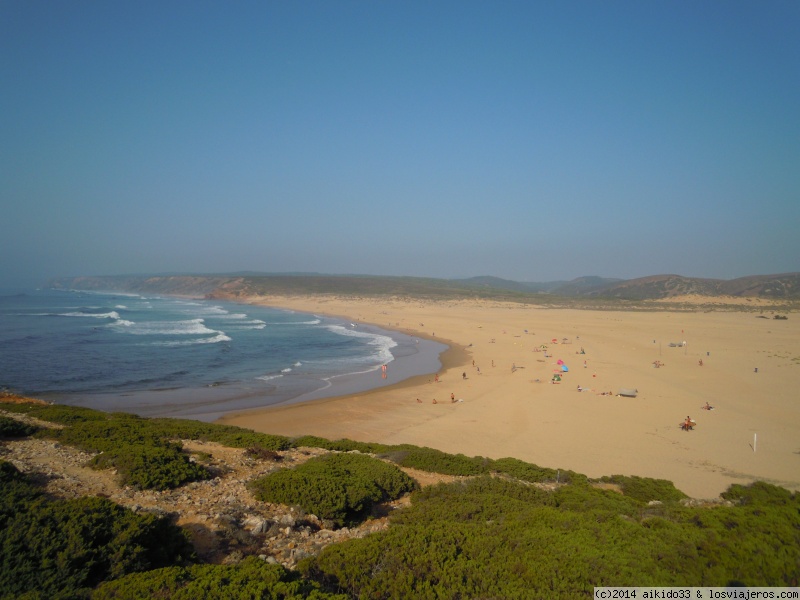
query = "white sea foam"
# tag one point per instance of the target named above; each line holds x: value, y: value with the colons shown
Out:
x: 220, y: 337
x: 244, y: 327
x: 268, y: 377
x: 314, y: 322
x: 109, y: 315
x: 286, y: 370
x: 382, y: 343
x: 231, y: 316
x: 122, y: 323
x: 121, y: 307
x: 188, y: 327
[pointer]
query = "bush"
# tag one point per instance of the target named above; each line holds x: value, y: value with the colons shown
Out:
x: 146, y: 466
x: 11, y: 428
x: 101, y: 436
x: 436, y: 461
x: 59, y: 549
x: 227, y: 435
x: 760, y: 493
x: 645, y: 489
x: 493, y: 538
x: 57, y: 413
x: 529, y: 472
x: 338, y: 487
x: 247, y: 580
x: 15, y: 491
x: 343, y: 445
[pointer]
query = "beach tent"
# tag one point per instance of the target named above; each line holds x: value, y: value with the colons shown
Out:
x: 628, y: 392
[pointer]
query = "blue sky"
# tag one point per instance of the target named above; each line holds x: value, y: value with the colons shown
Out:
x: 529, y: 140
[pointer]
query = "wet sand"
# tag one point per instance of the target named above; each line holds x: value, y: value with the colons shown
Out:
x: 506, y: 411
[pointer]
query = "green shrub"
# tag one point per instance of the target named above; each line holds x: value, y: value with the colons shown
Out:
x: 15, y: 491
x: 493, y: 538
x: 227, y: 435
x: 529, y: 472
x: 337, y: 487
x: 59, y: 549
x: 101, y: 436
x: 58, y: 413
x: 760, y: 493
x: 343, y: 445
x: 11, y: 428
x: 146, y: 466
x: 247, y: 580
x: 436, y: 461
x: 645, y: 489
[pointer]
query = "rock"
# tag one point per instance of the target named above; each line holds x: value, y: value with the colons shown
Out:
x: 287, y: 520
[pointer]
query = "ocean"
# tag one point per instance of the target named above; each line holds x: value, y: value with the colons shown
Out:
x: 164, y: 356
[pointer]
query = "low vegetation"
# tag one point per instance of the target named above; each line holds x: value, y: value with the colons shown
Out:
x: 504, y: 529
x: 248, y: 580
x: 341, y: 488
x: 11, y: 428
x: 63, y: 548
x: 146, y: 453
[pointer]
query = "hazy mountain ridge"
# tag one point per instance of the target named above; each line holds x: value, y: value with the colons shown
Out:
x: 784, y: 286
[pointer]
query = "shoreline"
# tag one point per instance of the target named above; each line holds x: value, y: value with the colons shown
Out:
x: 411, y: 358
x: 516, y: 412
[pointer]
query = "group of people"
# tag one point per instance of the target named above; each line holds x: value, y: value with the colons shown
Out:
x: 434, y: 401
x: 690, y: 423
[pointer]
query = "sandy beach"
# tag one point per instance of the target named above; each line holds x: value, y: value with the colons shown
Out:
x: 501, y: 375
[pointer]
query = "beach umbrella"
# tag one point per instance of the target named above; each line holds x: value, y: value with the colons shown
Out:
x: 564, y: 368
x: 559, y: 362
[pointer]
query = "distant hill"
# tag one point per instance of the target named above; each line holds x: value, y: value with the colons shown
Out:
x: 784, y: 286
x: 779, y: 287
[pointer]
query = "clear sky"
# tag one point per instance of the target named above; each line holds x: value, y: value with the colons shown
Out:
x: 534, y: 141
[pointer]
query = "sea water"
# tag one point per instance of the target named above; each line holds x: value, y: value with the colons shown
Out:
x: 190, y: 358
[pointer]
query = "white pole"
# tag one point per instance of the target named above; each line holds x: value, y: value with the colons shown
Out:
x: 755, y: 439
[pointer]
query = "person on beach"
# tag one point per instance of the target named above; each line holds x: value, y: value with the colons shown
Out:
x: 688, y: 424
x: 464, y: 375
x: 434, y: 401
x: 452, y: 397
x: 436, y: 378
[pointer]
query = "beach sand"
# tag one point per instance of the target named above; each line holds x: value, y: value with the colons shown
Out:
x: 502, y: 411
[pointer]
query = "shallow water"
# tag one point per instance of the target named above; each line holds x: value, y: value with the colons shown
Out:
x: 173, y: 356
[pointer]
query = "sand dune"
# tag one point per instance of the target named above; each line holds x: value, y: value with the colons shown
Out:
x: 520, y: 413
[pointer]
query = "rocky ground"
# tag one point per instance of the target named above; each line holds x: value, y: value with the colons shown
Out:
x: 226, y: 522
